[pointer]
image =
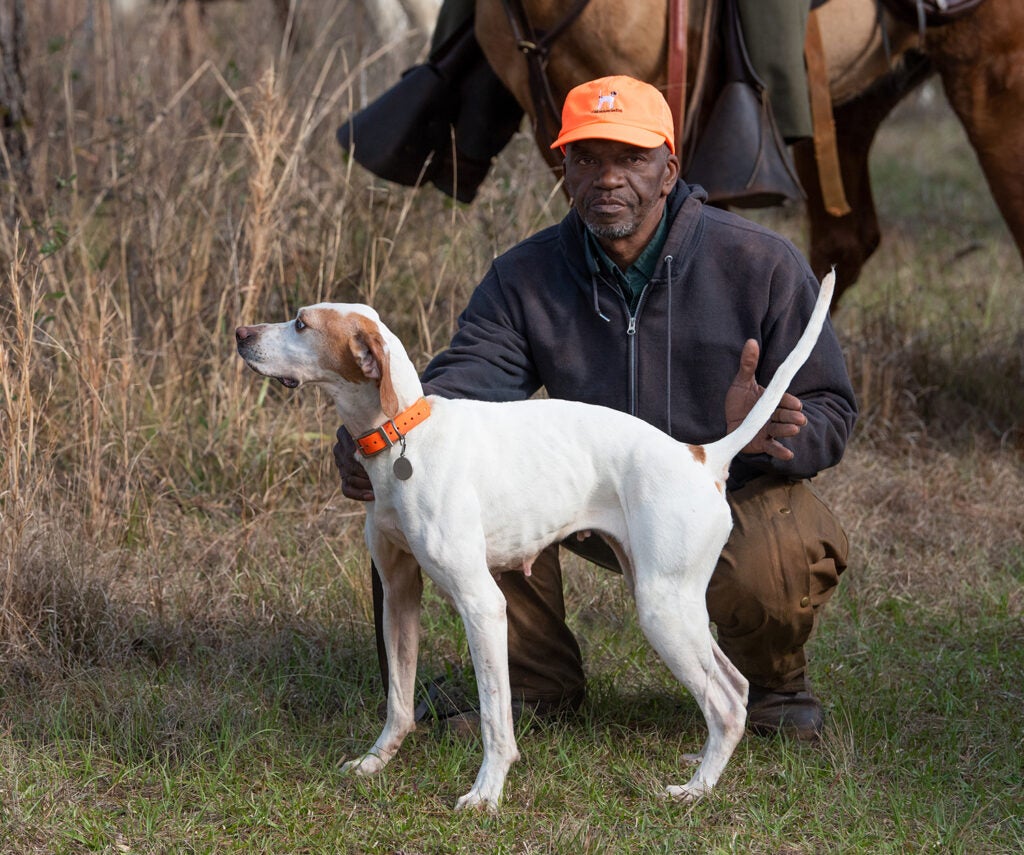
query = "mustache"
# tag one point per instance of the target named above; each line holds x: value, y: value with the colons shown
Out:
x: 605, y: 198
x: 626, y: 221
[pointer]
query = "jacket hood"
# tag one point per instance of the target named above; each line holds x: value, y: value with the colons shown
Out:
x: 684, y: 204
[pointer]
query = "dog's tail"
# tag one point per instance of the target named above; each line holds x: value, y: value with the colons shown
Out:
x: 721, y: 452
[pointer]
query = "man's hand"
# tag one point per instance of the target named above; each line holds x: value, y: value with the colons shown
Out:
x: 785, y: 422
x: 355, y: 484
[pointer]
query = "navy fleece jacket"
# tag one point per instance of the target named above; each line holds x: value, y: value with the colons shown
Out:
x: 546, y: 314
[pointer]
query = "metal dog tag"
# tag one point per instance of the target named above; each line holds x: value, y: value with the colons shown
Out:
x: 402, y: 469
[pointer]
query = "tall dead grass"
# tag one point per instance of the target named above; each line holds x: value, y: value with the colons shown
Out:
x: 185, y: 182
x: 165, y: 206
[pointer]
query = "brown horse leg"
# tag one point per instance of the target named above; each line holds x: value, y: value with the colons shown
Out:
x: 981, y: 62
x: 848, y: 241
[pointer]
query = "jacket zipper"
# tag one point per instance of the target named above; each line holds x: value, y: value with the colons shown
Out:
x: 631, y: 325
x: 631, y: 335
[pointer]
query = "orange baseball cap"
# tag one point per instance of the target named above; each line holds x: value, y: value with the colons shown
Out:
x: 617, y: 108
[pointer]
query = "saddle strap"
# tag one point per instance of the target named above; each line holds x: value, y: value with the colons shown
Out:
x: 675, y: 91
x: 700, y: 79
x: 536, y: 45
x: 826, y: 151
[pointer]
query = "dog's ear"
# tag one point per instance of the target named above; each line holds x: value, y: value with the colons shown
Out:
x: 371, y: 355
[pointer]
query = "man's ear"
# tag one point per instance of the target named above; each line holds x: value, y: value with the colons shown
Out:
x: 671, y: 174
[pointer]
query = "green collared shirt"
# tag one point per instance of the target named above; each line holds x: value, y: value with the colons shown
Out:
x: 635, y: 279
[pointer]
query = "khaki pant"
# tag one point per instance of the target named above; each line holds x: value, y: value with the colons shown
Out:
x: 780, y: 566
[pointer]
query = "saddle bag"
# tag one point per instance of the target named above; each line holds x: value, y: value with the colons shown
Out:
x: 740, y: 159
x: 441, y: 123
x: 395, y: 135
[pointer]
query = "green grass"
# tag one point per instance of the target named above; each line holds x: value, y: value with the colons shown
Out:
x: 237, y: 750
x: 186, y: 644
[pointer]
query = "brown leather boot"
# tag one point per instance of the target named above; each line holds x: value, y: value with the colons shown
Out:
x: 795, y: 713
x: 454, y: 712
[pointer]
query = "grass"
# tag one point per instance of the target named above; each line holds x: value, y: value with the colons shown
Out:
x: 186, y: 648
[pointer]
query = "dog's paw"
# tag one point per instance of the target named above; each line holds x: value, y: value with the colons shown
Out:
x: 691, y: 792
x: 474, y: 801
x: 368, y: 764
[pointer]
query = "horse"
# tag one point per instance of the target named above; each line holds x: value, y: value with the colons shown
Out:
x: 979, y: 58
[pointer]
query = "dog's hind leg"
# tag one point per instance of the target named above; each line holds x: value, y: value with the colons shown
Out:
x: 674, y: 618
x: 403, y: 589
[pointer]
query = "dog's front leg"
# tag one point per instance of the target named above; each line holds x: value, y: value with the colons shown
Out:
x: 482, y: 607
x: 403, y: 589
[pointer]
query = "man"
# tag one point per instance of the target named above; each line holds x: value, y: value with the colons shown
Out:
x: 642, y: 299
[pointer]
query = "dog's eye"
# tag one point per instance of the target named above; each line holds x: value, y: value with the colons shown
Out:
x: 299, y: 325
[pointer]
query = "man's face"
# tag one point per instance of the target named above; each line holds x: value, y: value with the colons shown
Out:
x: 619, y: 189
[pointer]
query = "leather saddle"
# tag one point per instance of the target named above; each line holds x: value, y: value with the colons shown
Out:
x: 930, y: 12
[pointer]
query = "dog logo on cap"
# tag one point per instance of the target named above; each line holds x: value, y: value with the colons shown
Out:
x: 606, y: 103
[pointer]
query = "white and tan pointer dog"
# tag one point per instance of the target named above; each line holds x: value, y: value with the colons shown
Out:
x: 464, y: 489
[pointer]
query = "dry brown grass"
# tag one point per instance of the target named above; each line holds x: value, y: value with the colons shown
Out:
x: 174, y: 196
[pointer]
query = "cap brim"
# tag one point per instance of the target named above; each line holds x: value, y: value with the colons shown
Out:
x: 640, y: 137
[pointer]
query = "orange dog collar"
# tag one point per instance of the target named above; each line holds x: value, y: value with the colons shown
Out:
x: 375, y: 441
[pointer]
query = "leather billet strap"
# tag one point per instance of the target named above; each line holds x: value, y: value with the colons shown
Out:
x: 375, y: 441
x: 826, y: 150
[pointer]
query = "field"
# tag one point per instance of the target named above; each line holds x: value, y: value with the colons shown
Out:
x: 186, y: 651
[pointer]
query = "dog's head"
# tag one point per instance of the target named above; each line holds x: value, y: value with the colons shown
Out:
x: 329, y: 343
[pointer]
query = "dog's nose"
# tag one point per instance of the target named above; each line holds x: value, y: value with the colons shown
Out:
x: 243, y: 333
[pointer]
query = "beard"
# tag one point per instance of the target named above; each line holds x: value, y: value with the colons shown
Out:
x: 634, y: 217
x: 612, y: 231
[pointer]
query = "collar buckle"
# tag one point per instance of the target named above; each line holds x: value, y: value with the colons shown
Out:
x: 388, y: 434
x: 382, y: 433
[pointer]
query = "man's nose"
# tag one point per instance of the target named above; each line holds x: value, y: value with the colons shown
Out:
x: 609, y: 174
